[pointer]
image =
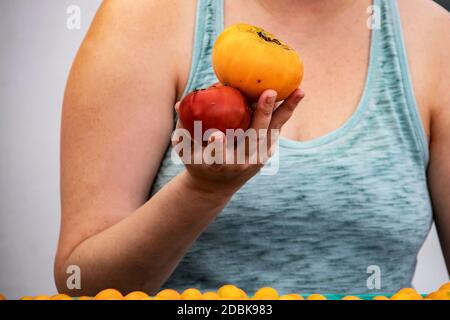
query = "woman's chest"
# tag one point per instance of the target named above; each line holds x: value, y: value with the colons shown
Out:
x: 347, y: 183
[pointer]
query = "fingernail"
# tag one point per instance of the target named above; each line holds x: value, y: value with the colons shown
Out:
x: 271, y: 98
x: 300, y: 95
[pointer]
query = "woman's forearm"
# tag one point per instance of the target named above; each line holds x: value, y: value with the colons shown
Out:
x: 141, y: 251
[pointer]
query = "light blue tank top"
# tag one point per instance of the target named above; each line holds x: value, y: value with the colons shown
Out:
x: 354, y: 198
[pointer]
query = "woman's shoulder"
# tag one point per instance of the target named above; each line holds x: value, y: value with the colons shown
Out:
x: 428, y: 21
x: 427, y: 35
x: 144, y: 18
x: 144, y: 33
x: 426, y: 13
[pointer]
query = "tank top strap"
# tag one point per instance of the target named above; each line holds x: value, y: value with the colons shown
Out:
x: 394, y: 75
x: 208, y: 25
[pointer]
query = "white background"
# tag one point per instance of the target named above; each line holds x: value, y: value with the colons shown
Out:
x: 36, y: 53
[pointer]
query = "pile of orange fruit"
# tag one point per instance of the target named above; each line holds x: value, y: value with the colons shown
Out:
x: 231, y: 292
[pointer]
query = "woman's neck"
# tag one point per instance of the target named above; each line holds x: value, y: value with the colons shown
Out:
x: 316, y: 8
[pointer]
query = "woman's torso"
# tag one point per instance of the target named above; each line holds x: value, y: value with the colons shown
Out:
x: 352, y: 196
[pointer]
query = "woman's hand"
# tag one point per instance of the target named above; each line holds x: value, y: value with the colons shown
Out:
x: 225, y: 176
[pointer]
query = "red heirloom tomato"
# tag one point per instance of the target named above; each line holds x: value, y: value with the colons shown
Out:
x: 218, y: 107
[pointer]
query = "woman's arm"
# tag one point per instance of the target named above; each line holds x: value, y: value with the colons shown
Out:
x: 116, y: 125
x: 439, y: 169
x: 117, y: 122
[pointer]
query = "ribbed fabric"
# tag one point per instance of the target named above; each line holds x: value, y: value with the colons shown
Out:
x: 353, y: 198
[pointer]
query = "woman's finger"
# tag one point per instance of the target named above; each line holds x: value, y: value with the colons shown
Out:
x: 284, y: 112
x: 177, y: 106
x: 281, y: 115
x: 263, y: 112
x: 215, y: 151
x: 180, y: 132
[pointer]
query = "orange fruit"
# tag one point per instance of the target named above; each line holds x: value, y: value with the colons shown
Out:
x: 381, y: 298
x: 192, y: 294
x: 351, y: 298
x: 399, y: 296
x: 231, y: 292
x: 286, y: 297
x: 109, y: 294
x: 439, y: 295
x: 409, y: 291
x: 266, y: 293
x: 431, y: 295
x: 61, y: 297
x: 407, y: 294
x: 211, y: 296
x: 137, y: 295
x: 259, y: 61
x: 2, y: 297
x: 316, y: 297
x: 42, y: 297
x: 296, y: 296
x: 445, y: 286
x: 268, y: 297
x: 168, y: 294
x: 27, y: 298
x: 85, y: 298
